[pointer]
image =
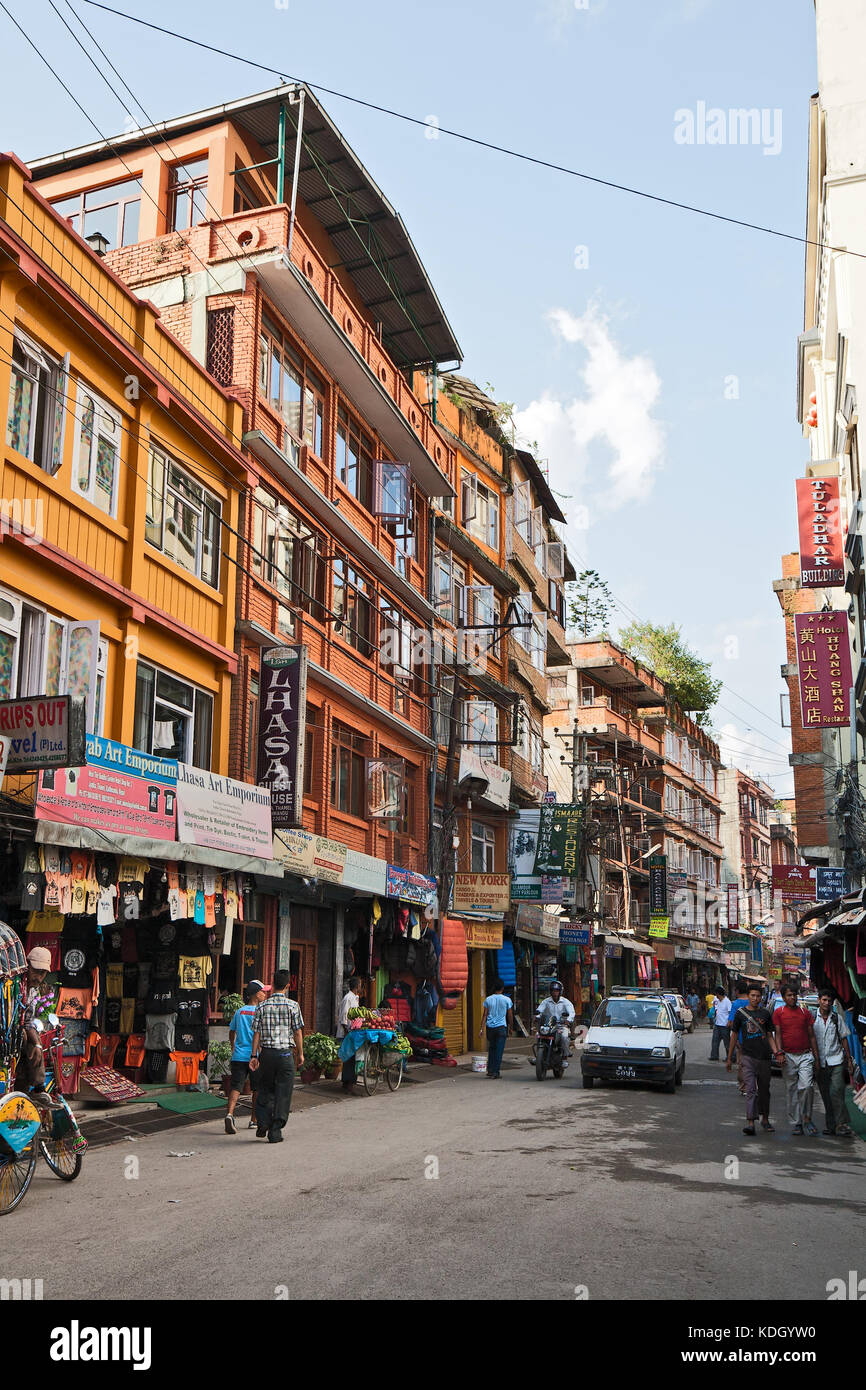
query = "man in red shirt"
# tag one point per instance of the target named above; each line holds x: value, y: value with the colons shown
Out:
x: 795, y: 1033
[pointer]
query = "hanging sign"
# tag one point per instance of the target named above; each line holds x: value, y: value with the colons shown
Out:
x: 660, y: 924
x: 43, y: 731
x: 795, y: 882
x: 822, y: 560
x: 830, y: 883
x: 558, y: 839
x: 733, y: 904
x: 824, y: 668
x: 282, y: 729
x: 575, y: 934
x: 408, y: 886
x: 658, y: 884
x: 120, y: 789
x: 310, y: 856
x: 481, y: 892
x: 483, y: 936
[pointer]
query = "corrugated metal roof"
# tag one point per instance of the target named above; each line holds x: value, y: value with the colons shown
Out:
x: 378, y: 254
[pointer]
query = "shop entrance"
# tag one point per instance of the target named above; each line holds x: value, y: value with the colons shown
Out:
x: 302, y: 979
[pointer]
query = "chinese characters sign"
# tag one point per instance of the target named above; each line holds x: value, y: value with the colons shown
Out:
x: 822, y: 564
x: 824, y: 666
x: 558, y: 840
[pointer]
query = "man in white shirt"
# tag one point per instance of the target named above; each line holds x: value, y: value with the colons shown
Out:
x: 831, y: 1035
x: 351, y: 1000
x: 721, y: 1025
x: 556, y: 1008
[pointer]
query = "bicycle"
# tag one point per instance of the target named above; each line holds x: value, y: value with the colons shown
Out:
x: 375, y: 1067
x: 28, y: 1129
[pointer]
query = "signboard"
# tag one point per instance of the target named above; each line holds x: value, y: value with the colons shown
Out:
x: 574, y: 935
x: 796, y: 960
x: 120, y: 789
x: 733, y: 904
x: 831, y: 883
x: 757, y: 950
x: 558, y: 839
x: 526, y: 890
x: 409, y: 886
x: 497, y: 788
x: 665, y: 950
x: 613, y: 950
x: 535, y: 922
x: 220, y: 813
x: 736, y: 941
x: 660, y: 924
x: 481, y: 893
x: 4, y: 757
x: 310, y: 856
x: 483, y: 936
x: 282, y: 729
x: 43, y: 731
x: 551, y: 889
x: 658, y: 884
x: 795, y: 882
x: 822, y: 560
x: 676, y: 879
x: 824, y: 668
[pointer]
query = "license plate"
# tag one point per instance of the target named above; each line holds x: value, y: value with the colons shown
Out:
x: 625, y: 1071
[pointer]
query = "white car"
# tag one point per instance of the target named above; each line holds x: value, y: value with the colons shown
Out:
x: 683, y: 1010
x: 635, y: 1035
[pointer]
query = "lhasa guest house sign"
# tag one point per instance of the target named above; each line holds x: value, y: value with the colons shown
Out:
x: 282, y: 729
x: 824, y: 668
x: 822, y: 563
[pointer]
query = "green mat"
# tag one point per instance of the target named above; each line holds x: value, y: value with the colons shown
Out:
x: 186, y: 1102
x: 856, y: 1117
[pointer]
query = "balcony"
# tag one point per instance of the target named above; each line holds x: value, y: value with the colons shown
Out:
x: 602, y: 722
x: 614, y: 667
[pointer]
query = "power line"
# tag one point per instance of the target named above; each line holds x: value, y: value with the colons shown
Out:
x: 484, y: 144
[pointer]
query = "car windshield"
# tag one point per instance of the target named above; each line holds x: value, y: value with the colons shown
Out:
x: 632, y: 1013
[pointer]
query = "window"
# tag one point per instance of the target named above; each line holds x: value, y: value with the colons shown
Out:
x: 480, y: 727
x: 353, y: 607
x: 395, y: 506
x: 246, y: 197
x: 220, y: 358
x: 183, y: 518
x: 112, y: 210
x: 449, y: 584
x: 532, y: 632
x: 287, y: 553
x: 483, y: 848
x: 43, y: 654
x: 754, y: 847
x: 252, y: 724
x: 588, y: 693
x: 187, y: 195
x: 97, y: 451
x: 172, y: 719
x: 530, y: 744
x: 292, y: 389
x: 354, y: 456
x: 398, y: 637
x: 529, y: 521
x: 348, y: 770
x: 388, y: 792
x: 479, y: 509
x: 37, y: 403
x: 310, y: 758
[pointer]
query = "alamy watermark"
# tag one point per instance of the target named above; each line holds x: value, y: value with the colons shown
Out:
x: 713, y: 125
x: 22, y: 518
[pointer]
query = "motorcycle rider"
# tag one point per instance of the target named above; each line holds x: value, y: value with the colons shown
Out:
x: 557, y: 1009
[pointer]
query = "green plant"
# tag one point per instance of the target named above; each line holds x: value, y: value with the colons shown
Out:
x: 321, y: 1051
x: 687, y: 677
x: 589, y: 604
x: 219, y: 1055
x: 229, y: 1005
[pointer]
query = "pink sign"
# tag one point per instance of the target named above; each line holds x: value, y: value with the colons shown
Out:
x: 824, y: 667
x: 822, y: 559
x: 795, y: 882
x: 104, y: 798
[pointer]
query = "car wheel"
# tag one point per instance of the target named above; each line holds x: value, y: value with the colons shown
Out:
x: 670, y: 1086
x: 588, y: 1082
x: 678, y: 1079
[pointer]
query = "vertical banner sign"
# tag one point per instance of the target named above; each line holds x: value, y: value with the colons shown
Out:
x: 282, y: 728
x: 733, y: 904
x: 822, y: 563
x: 824, y: 668
x: 658, y: 884
x: 556, y: 851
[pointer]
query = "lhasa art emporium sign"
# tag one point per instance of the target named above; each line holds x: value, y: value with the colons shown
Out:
x: 558, y: 840
x: 822, y: 563
x: 824, y: 668
x: 282, y: 728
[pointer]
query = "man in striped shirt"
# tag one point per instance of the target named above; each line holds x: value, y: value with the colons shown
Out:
x: 277, y: 1033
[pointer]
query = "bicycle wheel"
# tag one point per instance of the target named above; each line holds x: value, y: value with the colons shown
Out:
x: 372, y: 1070
x: 19, y: 1123
x: 16, y: 1175
x: 57, y: 1147
x: 394, y: 1074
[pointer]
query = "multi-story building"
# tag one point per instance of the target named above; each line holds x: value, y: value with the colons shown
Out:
x: 784, y: 852
x: 277, y: 262
x: 748, y: 803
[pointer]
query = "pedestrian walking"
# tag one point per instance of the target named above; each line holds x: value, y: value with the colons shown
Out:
x: 694, y: 1004
x: 497, y: 1016
x: 721, y: 1025
x: 740, y: 1002
x: 709, y: 1005
x: 753, y: 1039
x: 277, y: 1032
x: 241, y: 1039
x: 351, y: 1000
x: 831, y: 1036
x: 794, y: 1027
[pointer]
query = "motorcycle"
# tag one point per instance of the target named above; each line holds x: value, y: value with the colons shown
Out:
x: 548, y: 1051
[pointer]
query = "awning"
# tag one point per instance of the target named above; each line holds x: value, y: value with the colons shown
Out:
x: 629, y: 944
x: 854, y: 917
x: 82, y: 837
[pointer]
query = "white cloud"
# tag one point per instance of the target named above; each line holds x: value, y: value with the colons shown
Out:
x: 743, y: 747
x: 613, y: 411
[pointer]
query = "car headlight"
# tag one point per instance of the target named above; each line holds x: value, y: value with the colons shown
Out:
x: 661, y: 1052
x: 592, y: 1047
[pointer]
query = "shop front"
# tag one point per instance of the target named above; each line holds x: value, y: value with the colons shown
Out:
x: 536, y: 951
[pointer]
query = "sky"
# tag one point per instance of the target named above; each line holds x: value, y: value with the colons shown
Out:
x: 650, y: 352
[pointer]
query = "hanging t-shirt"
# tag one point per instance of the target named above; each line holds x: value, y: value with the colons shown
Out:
x: 112, y: 1016
x: 74, y: 1003
x: 144, y: 972
x: 231, y: 897
x: 198, y: 908
x: 134, y: 1050
x: 105, y: 905
x: 159, y: 1032
x: 166, y: 934
x: 31, y: 883
x: 190, y: 1039
x: 129, y: 946
x: 113, y: 943
x: 164, y: 962
x: 132, y: 872
x: 187, y: 1065
x: 194, y: 971
x: 51, y: 864
x: 130, y: 904
x: 51, y: 942
x: 65, y: 882
x: 91, y: 889
x: 127, y: 1016
x: 105, y: 1050
x: 192, y: 1007
x: 50, y: 921
x: 162, y: 996
x: 79, y: 953
x: 114, y: 980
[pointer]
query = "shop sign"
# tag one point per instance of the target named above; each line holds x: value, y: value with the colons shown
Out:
x: 43, y: 731
x: 534, y: 921
x: 410, y: 886
x: 365, y: 873
x: 522, y: 844
x: 551, y: 889
x: 822, y: 561
x: 658, y: 883
x: 660, y: 924
x: 481, y: 892
x: 310, y: 856
x: 665, y: 950
x: 483, y: 936
x: 796, y: 960
x: 119, y: 789
x: 613, y: 950
x: 527, y: 890
x: 733, y: 904
x: 220, y: 813
x: 831, y: 883
x: 676, y: 879
x: 824, y: 668
x: 795, y: 882
x: 497, y: 789
x: 558, y: 839
x: 690, y: 952
x: 575, y: 934
x: 282, y: 730
x: 736, y: 941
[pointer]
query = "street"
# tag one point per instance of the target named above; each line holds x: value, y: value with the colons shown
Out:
x: 461, y: 1189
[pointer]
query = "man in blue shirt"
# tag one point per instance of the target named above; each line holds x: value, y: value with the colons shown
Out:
x: 497, y: 1015
x: 241, y: 1038
x: 741, y: 1002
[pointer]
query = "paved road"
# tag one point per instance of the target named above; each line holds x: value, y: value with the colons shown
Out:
x: 623, y: 1191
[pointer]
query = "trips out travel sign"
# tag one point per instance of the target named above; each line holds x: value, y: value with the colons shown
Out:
x: 822, y: 562
x: 824, y: 668
x: 282, y: 729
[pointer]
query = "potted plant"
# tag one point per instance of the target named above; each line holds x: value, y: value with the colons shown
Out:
x: 219, y: 1055
x: 229, y: 1005
x: 321, y: 1054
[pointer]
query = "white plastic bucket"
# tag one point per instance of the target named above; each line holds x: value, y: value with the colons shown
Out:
x: 479, y: 1063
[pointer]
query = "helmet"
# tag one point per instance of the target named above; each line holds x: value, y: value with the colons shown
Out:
x: 555, y: 984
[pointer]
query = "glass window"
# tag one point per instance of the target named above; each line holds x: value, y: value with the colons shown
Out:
x: 97, y: 451
x: 172, y: 718
x: 287, y: 553
x: 480, y: 724
x: 113, y: 211
x: 353, y: 608
x: 479, y: 509
x: 354, y: 458
x: 293, y: 390
x: 348, y: 770
x: 483, y: 848
x: 36, y: 412
x: 183, y: 519
x: 187, y: 195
